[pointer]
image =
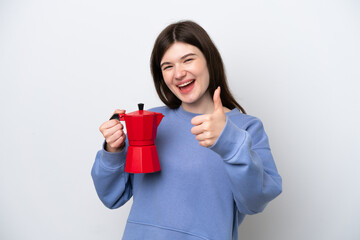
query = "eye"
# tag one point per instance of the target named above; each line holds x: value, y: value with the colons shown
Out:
x: 188, y: 60
x: 166, y: 67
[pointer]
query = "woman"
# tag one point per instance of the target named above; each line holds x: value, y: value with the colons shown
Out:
x: 216, y: 163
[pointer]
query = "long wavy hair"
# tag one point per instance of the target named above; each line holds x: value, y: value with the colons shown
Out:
x: 191, y: 33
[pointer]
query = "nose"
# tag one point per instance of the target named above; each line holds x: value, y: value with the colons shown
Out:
x: 179, y: 73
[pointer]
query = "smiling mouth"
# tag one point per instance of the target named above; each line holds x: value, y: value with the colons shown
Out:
x: 186, y: 87
x: 185, y: 84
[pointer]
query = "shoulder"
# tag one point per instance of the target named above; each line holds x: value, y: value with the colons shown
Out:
x: 162, y: 109
x: 243, y: 121
x: 252, y: 125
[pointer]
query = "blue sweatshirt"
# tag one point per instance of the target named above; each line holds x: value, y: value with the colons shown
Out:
x: 200, y: 193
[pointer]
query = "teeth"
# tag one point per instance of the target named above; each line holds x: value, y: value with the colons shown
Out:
x: 185, y: 84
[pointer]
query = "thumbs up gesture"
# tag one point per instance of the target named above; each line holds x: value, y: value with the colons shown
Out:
x: 208, y: 127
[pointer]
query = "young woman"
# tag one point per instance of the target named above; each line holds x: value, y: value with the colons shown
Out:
x: 216, y: 163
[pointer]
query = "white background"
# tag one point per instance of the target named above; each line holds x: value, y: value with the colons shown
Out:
x: 66, y: 65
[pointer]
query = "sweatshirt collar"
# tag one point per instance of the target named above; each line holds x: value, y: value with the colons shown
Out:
x: 189, y: 115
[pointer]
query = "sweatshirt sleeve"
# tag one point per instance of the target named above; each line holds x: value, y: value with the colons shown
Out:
x: 249, y: 164
x: 112, y: 183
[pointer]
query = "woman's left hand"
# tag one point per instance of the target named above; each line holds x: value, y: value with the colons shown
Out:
x: 208, y: 127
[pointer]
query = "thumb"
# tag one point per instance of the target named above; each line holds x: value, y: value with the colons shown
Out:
x: 116, y: 114
x: 118, y: 111
x: 217, y: 100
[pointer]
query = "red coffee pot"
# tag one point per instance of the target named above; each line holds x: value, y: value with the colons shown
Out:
x: 141, y: 128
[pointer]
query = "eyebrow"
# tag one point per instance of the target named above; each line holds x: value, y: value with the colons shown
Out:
x: 183, y: 57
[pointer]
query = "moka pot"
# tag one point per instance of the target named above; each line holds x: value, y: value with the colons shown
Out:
x: 141, y: 126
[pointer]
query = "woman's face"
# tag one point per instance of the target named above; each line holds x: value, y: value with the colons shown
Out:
x: 186, y: 74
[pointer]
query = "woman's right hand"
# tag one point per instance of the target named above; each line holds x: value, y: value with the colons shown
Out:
x: 113, y: 133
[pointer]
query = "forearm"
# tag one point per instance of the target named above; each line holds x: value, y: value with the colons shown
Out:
x: 112, y: 183
x: 249, y: 165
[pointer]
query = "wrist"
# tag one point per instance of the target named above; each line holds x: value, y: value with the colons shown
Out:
x: 108, y: 148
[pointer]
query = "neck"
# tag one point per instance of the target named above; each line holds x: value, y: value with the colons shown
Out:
x: 204, y: 105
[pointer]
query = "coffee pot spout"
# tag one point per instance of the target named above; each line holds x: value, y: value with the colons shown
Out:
x: 159, y: 117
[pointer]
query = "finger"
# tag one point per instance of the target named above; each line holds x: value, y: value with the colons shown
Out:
x: 217, y: 100
x: 110, y: 131
x: 115, y: 136
x: 201, y: 137
x: 197, y: 130
x: 116, y: 145
x: 119, y: 111
x: 205, y: 143
x: 110, y: 124
x: 119, y: 142
x: 198, y: 120
x: 107, y: 125
x: 118, y: 125
x: 204, y: 136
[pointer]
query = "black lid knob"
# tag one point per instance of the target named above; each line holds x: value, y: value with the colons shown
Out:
x: 141, y: 106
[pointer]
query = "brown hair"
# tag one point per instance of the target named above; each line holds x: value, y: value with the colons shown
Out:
x: 191, y: 33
